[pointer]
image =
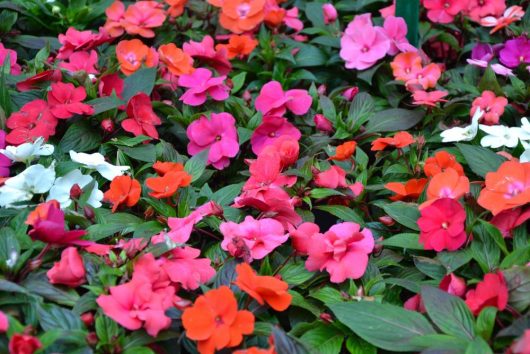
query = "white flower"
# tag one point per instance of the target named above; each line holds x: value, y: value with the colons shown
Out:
x: 62, y: 186
x: 500, y: 135
x: 525, y: 156
x: 525, y: 129
x: 28, y: 151
x: 35, y: 179
x: 463, y: 134
x: 96, y: 161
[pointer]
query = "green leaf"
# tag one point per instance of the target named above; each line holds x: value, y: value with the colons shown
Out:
x: 318, y: 193
x: 104, y: 104
x: 448, y: 312
x: 406, y: 214
x: 386, y: 326
x: 518, y: 282
x: 356, y: 345
x: 478, y: 346
x: 361, y: 109
x: 480, y: 160
x: 7, y: 20
x: 197, y: 164
x: 53, y: 317
x: 106, y: 329
x: 323, y: 339
x: 9, y: 249
x: 495, y: 235
x: 309, y: 55
x: 489, y: 82
x: 486, y: 322
x: 314, y: 13
x: 328, y: 108
x: 284, y: 343
x: 327, y: 295
x: 146, y: 152
x: 519, y: 256
x: 37, y: 283
x: 394, y: 119
x: 295, y: 273
x: 342, y: 212
x: 410, y: 11
x: 142, y: 80
x: 238, y: 81
x: 80, y: 137
x: 226, y: 195
x: 406, y: 241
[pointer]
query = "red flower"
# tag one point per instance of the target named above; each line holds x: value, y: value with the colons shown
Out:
x: 141, y: 118
x: 31, y: 83
x: 69, y: 271
x: 110, y: 83
x: 123, y: 190
x: 32, y: 121
x: 492, y: 291
x: 65, y: 100
x: 23, y: 344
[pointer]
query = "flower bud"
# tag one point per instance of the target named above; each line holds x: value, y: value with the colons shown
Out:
x: 88, y: 319
x: 107, y: 125
x: 330, y: 13
x: 350, y: 93
x: 75, y: 191
x: 322, y: 123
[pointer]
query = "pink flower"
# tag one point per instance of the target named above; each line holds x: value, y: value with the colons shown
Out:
x: 396, y: 30
x: 288, y: 149
x: 453, y: 285
x: 342, y: 251
x: 65, y: 100
x: 428, y: 98
x: 322, y: 123
x: 349, y: 94
x: 389, y: 10
x: 24, y: 344
x: 330, y: 13
x: 492, y: 291
x: 32, y: 121
x: 508, y: 220
x: 271, y: 129
x: 199, y: 84
x: 205, y: 52
x: 303, y: 235
x: 141, y: 17
x: 255, y: 238
x: 362, y: 44
x: 4, y: 322
x: 492, y: 105
x: 273, y: 101
x: 481, y: 8
x: 183, y: 267
x: 109, y: 84
x: 69, y: 271
x: 81, y: 61
x: 266, y: 170
x: 415, y: 303
x: 74, y: 41
x: 4, y: 52
x: 5, y: 162
x: 141, y: 120
x: 291, y: 19
x: 442, y: 225
x: 219, y: 134
x: 443, y: 11
x: 334, y: 177
x: 115, y: 14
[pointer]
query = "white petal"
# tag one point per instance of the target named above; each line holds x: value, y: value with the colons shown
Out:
x: 109, y: 171
x: 525, y: 156
x: 10, y: 195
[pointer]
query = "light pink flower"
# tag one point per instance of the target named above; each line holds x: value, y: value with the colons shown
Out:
x: 219, y: 134
x: 200, y: 83
x: 183, y: 267
x: 252, y: 239
x: 273, y: 101
x: 303, y: 235
x: 70, y: 270
x: 332, y: 178
x: 206, y: 53
x: 4, y: 52
x: 291, y: 19
x: 481, y: 8
x: 453, y: 285
x: 396, y: 30
x: 81, y: 61
x: 492, y: 105
x: 389, y: 10
x: 330, y: 13
x: 342, y: 251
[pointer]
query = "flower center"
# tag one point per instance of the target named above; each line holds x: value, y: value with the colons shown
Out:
x: 447, y: 5
x: 131, y: 58
x: 514, y: 189
x: 521, y: 58
x: 218, y: 137
x: 446, y: 192
x: 218, y: 320
x: 481, y: 2
x: 272, y: 134
x: 365, y: 49
x: 445, y: 225
x: 243, y: 10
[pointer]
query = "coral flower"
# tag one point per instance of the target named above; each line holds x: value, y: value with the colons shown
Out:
x: 239, y: 46
x: 201, y: 83
x: 132, y: 54
x: 34, y: 120
x: 65, y: 100
x: 114, y: 14
x: 440, y: 162
x: 177, y: 61
x: 406, y: 66
x: 492, y: 291
x: 398, y: 141
x: 302, y: 235
x: 491, y: 105
x: 479, y: 9
x: 334, y: 177
x: 447, y: 184
x: 442, y: 225
x: 176, y: 7
x: 263, y: 289
x: 273, y: 101
x: 344, y: 151
x: 270, y: 130
x: 240, y: 16
x: 429, y: 98
x: 409, y: 190
x: 443, y: 11
x: 219, y: 134
x: 142, y: 16
x: 163, y: 168
x: 168, y: 184
x: 426, y: 78
x: 507, y: 188
x: 214, y: 321
x: 141, y: 120
x: 123, y: 190
x: 69, y: 271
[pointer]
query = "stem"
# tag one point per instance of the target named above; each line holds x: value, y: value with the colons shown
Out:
x: 284, y: 263
x: 208, y: 233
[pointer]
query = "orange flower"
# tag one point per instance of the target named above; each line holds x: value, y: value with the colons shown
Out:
x: 176, y: 60
x: 142, y: 16
x: 240, y: 16
x: 275, y: 16
x: 168, y: 184
x: 447, y: 184
x: 176, y: 7
x: 263, y: 289
x: 214, y: 321
x: 507, y: 188
x: 123, y: 190
x: 399, y: 141
x: 132, y: 54
x: 440, y: 162
x: 256, y: 350
x: 406, y: 66
x: 344, y: 151
x: 409, y: 190
x: 238, y: 46
x: 164, y: 167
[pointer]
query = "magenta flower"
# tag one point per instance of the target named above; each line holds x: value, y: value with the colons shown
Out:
x: 271, y: 129
x: 205, y: 52
x: 273, y: 101
x: 330, y: 13
x: 5, y: 162
x: 219, y: 134
x: 396, y: 30
x: 342, y: 251
x: 4, y: 52
x: 200, y: 84
x: 81, y: 61
x: 515, y: 52
x: 362, y: 44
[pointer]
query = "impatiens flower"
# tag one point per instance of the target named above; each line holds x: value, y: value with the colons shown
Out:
x: 511, y: 15
x: 344, y: 151
x: 302, y: 235
x: 447, y: 184
x: 350, y: 93
x: 333, y: 178
x: 442, y: 225
x: 183, y: 267
x: 273, y: 101
x: 515, y: 52
x: 33, y: 82
x: 412, y: 189
x: 291, y: 19
x: 330, y: 13
x: 205, y: 52
x: 398, y: 141
x: 215, y: 322
x: 263, y: 289
x: 265, y: 172
x: 491, y: 105
x: 463, y: 134
x: 256, y: 238
x: 65, y: 100
x: 440, y: 162
x: 406, y: 66
x: 506, y: 188
x: 218, y: 134
x: 97, y: 162
x: 123, y: 190
x: 200, y: 84
x: 5, y: 161
x: 322, y: 123
x: 479, y: 9
x: 506, y: 221
x: 177, y: 61
x: 443, y: 11
x: 286, y: 147
x: 48, y: 225
x: 35, y: 179
x: 500, y: 135
x: 23, y: 344
x: 270, y: 130
x: 363, y: 44
x: 521, y: 345
x: 4, y: 322
x: 27, y: 152
x: 109, y: 84
x: 142, y: 16
x: 75, y: 41
x: 63, y: 185
x: 453, y: 285
x: 168, y: 184
x: 141, y: 120
x: 240, y: 16
x: 492, y: 291
x: 342, y: 251
x: 81, y: 61
x: 133, y: 54
x: 239, y: 46
x: 396, y: 30
x: 32, y: 121
x: 69, y: 271
x: 176, y: 7
x: 15, y: 69
x: 114, y: 14
x: 429, y: 98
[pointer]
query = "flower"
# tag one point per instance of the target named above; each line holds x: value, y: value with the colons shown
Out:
x: 201, y: 83
x: 453, y: 285
x: 363, y: 44
x: 344, y: 151
x: 239, y: 46
x: 69, y: 271
x: 81, y: 61
x: 330, y: 13
x: 48, y: 225
x: 442, y: 225
x: 412, y: 189
x: 478, y: 9
x: 463, y: 134
x: 440, y: 162
x: 265, y: 171
x: 270, y: 129
x: 27, y: 152
x: 114, y: 13
x: 205, y: 52
x: 109, y: 84
x: 273, y: 101
x: 506, y: 188
x: 238, y: 16
x: 398, y: 141
x: 500, y: 135
x: 5, y: 161
x: 322, y: 123
x: 406, y: 66
x: 492, y: 291
x: 32, y: 121
x: 302, y: 235
x: 23, y: 344
x: 447, y: 184
x: 396, y: 30
x: 508, y: 220
x: 123, y: 190
x: 65, y: 100
x: 168, y: 184
x: 15, y: 69
x: 515, y: 51
x: 141, y: 17
x: 97, y: 162
x: 75, y: 41
x: 176, y: 7
x: 291, y: 19
x: 521, y: 345
x: 32, y: 82
x: 62, y: 186
x: 258, y: 237
x: 491, y: 105
x: 35, y: 179
x: 350, y: 93
x: 342, y: 251
x: 184, y: 268
x: 263, y: 289
x: 141, y: 120
x: 429, y: 98
x: 218, y: 134
x: 443, y: 11
x: 333, y: 178
x: 510, y: 15
x: 4, y: 322
x: 177, y: 61
x: 133, y: 53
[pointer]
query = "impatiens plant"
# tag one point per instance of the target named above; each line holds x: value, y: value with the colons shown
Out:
x: 264, y: 176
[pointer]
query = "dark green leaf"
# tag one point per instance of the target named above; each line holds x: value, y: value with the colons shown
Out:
x: 406, y: 214
x: 481, y: 160
x: 142, y: 80
x: 342, y: 212
x: 407, y: 241
x: 394, y: 119
x: 486, y: 322
x: 80, y: 137
x: 145, y: 152
x: 53, y: 317
x: 197, y: 164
